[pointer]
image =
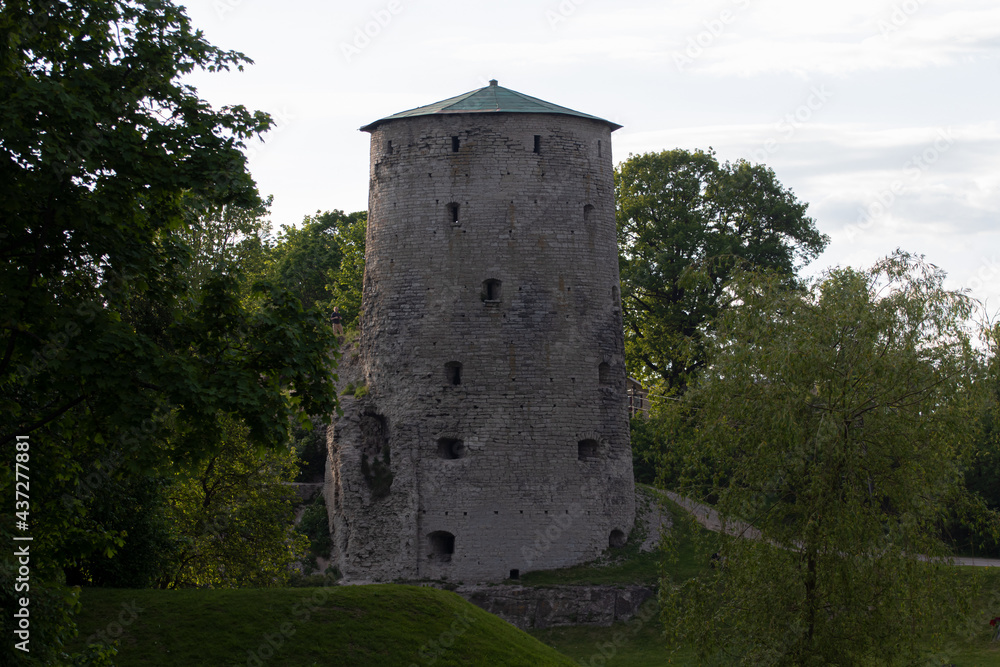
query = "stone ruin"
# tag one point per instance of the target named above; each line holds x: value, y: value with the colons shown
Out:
x: 493, y: 439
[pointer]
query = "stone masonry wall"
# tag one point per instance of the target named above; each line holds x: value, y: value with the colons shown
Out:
x: 531, y: 607
x: 492, y: 348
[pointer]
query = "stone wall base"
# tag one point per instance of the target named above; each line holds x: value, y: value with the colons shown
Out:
x: 529, y: 607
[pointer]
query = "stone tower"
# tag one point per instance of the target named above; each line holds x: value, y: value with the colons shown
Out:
x: 494, y: 436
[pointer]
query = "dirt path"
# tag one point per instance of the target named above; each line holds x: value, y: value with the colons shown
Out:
x: 709, y: 518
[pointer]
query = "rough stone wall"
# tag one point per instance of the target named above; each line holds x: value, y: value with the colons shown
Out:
x: 555, y: 606
x: 518, y: 459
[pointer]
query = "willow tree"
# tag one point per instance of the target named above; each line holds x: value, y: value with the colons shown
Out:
x: 833, y: 422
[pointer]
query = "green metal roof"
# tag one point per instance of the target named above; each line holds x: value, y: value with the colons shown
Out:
x: 491, y: 99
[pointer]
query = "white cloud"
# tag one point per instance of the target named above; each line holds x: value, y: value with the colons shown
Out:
x: 746, y: 38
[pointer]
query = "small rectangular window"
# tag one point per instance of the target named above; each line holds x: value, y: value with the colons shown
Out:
x: 598, y: 148
x: 388, y: 148
x: 587, y: 450
x: 538, y: 143
x: 491, y: 290
x: 454, y: 144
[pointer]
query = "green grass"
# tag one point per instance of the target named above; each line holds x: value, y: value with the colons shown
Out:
x: 639, y: 642
x: 636, y: 642
x: 342, y: 625
x: 628, y: 565
x: 407, y: 625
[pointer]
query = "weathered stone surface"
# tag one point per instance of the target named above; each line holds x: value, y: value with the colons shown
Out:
x: 530, y: 607
x: 494, y: 436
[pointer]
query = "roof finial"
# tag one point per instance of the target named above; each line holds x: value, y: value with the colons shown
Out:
x: 493, y: 82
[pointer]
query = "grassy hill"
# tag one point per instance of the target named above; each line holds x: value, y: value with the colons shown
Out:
x: 362, y: 626
x: 350, y: 625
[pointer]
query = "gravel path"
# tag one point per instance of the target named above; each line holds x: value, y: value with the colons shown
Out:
x: 709, y: 518
x: 655, y: 519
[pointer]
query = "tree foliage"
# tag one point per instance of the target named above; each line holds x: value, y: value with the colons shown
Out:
x: 833, y: 423
x: 106, y: 349
x: 982, y: 474
x: 685, y: 224
x: 190, y: 526
x: 347, y: 281
x: 134, y: 509
x: 233, y: 516
x: 323, y: 261
x: 228, y: 239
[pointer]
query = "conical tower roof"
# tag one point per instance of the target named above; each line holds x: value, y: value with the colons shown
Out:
x: 491, y: 99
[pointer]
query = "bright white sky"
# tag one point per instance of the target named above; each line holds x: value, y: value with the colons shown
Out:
x: 881, y: 114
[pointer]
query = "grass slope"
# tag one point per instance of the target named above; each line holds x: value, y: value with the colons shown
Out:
x: 639, y: 642
x: 409, y: 626
x: 342, y: 625
x: 628, y: 565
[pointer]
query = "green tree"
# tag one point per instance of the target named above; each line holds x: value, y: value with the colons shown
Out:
x: 227, y: 239
x: 322, y: 261
x: 685, y: 223
x: 234, y: 516
x: 346, y: 282
x: 982, y: 474
x: 309, y: 442
x: 833, y: 424
x: 135, y: 510
x: 105, y: 349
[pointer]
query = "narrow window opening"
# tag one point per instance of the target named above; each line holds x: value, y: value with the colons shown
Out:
x: 587, y: 450
x: 453, y: 213
x: 388, y: 147
x: 617, y: 539
x: 604, y: 372
x: 453, y: 372
x: 588, y: 213
x: 491, y: 290
x: 454, y: 144
x: 598, y: 148
x: 538, y: 143
x: 442, y: 546
x: 450, y: 448
x: 515, y: 574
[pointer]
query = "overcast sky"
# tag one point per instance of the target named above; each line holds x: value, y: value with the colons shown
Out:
x: 881, y: 114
